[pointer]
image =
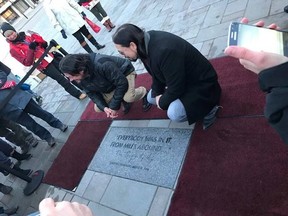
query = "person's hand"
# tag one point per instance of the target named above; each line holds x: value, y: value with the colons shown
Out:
x: 256, y: 61
x: 157, y: 101
x: 110, y: 113
x: 44, y: 45
x: 48, y: 207
x: 33, y: 45
x: 63, y: 34
x: 83, y: 15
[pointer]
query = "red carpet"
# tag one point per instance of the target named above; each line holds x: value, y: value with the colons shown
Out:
x: 75, y: 156
x: 238, y: 167
x: 241, y: 95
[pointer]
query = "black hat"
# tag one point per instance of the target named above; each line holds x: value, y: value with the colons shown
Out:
x: 6, y: 27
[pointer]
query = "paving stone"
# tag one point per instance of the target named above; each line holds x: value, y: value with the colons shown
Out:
x: 101, y: 210
x: 85, y: 180
x: 136, y: 197
x: 151, y: 155
x: 160, y: 202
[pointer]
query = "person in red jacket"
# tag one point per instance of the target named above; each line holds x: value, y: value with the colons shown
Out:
x: 28, y: 49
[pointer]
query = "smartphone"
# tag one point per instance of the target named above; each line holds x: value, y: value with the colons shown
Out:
x: 258, y: 38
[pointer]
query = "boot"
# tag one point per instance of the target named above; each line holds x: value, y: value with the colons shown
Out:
x: 111, y: 24
x: 27, y: 172
x: 11, y: 211
x: 94, y: 42
x: 5, y: 189
x: 107, y: 26
x: 126, y: 107
x: 99, y: 46
x: 86, y: 47
x: 210, y: 118
x: 20, y: 157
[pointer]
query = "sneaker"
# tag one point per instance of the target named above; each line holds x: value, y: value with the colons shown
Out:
x: 82, y: 96
x: 39, y: 100
x: 63, y: 127
x: 99, y: 46
x: 5, y: 189
x: 34, y: 142
x: 210, y: 118
x: 11, y: 211
x: 145, y: 104
x: 27, y: 172
x: 126, y: 107
x: 51, y: 142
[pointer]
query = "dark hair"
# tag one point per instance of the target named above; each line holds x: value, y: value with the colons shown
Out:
x: 75, y: 63
x: 127, y: 33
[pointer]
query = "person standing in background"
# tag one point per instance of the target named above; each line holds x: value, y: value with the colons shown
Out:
x: 96, y: 8
x: 65, y: 17
x: 28, y: 49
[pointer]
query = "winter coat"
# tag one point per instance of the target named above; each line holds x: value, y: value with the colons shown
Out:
x: 88, y: 4
x: 64, y: 14
x: 27, y: 56
x: 274, y: 81
x: 107, y: 74
x: 5, y: 68
x: 17, y: 103
x: 180, y: 71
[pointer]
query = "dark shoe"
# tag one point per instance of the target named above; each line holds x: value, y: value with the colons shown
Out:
x: 210, y: 118
x: 39, y: 100
x: 63, y: 127
x: 25, y: 148
x: 286, y: 9
x: 99, y: 46
x: 126, y: 107
x: 51, y: 142
x: 27, y: 172
x: 11, y: 211
x: 20, y: 157
x: 17, y: 164
x: 145, y: 104
x: 5, y: 189
x: 31, y: 141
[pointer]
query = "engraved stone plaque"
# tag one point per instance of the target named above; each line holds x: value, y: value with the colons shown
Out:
x: 150, y: 155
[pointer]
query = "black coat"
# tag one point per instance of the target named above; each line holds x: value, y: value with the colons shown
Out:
x: 274, y: 81
x: 5, y: 68
x: 107, y: 74
x: 188, y: 75
x: 14, y: 108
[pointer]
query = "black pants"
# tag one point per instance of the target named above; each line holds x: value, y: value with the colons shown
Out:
x: 99, y: 12
x: 53, y: 71
x: 13, y: 132
x: 79, y: 34
x: 27, y: 121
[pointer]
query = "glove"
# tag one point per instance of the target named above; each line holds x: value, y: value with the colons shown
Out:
x: 44, y: 45
x: 83, y: 15
x: 33, y: 45
x: 63, y: 34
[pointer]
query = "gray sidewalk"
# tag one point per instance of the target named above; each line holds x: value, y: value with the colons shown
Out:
x: 203, y: 23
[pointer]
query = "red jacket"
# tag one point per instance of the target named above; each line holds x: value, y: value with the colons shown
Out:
x: 21, y: 51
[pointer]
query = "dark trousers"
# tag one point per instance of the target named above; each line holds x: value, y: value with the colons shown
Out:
x: 13, y: 132
x: 53, y: 71
x: 79, y: 34
x: 98, y: 11
x: 5, y: 148
x: 34, y: 109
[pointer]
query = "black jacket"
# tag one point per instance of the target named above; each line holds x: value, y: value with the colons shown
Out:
x: 107, y: 74
x: 180, y: 71
x: 5, y: 68
x: 274, y: 81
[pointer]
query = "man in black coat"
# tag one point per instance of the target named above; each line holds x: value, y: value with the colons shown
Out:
x: 183, y: 81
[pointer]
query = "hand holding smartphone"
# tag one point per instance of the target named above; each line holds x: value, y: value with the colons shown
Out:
x: 258, y: 38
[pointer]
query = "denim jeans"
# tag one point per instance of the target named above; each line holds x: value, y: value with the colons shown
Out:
x: 34, y: 109
x: 176, y: 111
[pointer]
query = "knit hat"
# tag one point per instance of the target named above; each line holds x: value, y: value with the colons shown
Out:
x: 7, y: 29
